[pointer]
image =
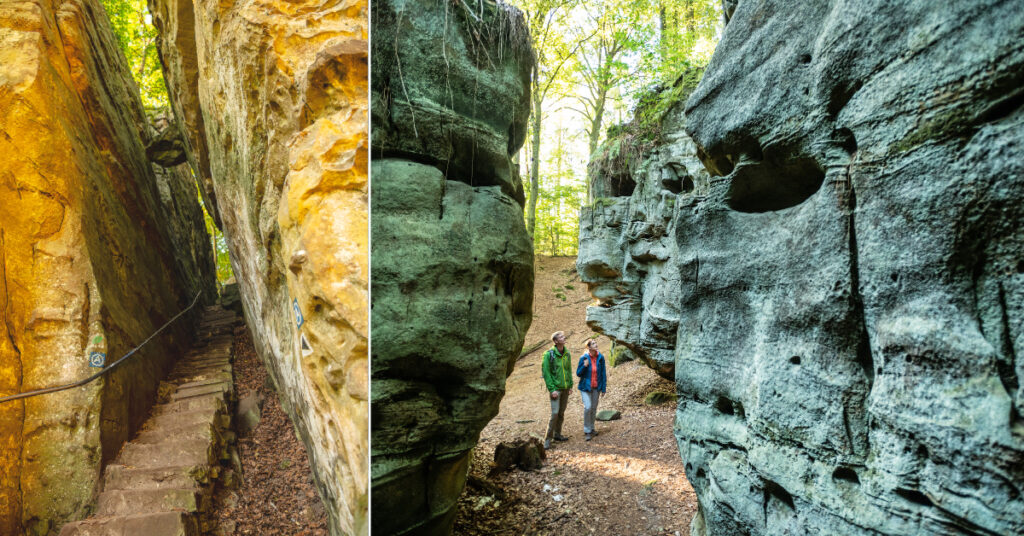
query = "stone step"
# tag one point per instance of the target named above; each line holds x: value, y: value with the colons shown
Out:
x: 191, y: 419
x: 186, y: 452
x: 125, y: 502
x: 215, y: 337
x: 206, y: 366
x: 184, y: 431
x: 161, y: 524
x: 220, y: 344
x: 221, y: 395
x: 203, y: 361
x: 122, y: 477
x: 202, y: 390
x: 219, y: 325
x: 201, y: 368
x: 217, y: 316
x: 225, y: 378
x: 213, y: 403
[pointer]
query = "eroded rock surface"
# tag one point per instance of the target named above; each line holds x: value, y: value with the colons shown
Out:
x: 453, y: 265
x: 97, y: 250
x: 850, y: 285
x: 272, y: 100
x: 628, y: 236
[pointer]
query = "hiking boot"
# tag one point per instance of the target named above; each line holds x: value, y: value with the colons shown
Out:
x: 561, y: 437
x: 594, y: 433
x: 588, y: 437
x: 547, y: 444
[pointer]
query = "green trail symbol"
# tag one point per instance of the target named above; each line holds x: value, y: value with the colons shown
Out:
x: 98, y: 339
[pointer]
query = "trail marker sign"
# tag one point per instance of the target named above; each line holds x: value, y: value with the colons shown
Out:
x: 304, y: 345
x: 97, y: 359
x: 298, y: 313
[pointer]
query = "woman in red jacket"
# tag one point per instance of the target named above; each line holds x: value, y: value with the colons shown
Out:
x: 592, y: 384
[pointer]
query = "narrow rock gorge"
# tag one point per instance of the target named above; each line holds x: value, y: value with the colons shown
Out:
x: 839, y: 293
x: 271, y: 100
x: 98, y: 249
x: 99, y: 246
x: 452, y: 263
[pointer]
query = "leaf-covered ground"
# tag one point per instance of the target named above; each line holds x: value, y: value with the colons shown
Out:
x: 277, y: 495
x: 628, y: 480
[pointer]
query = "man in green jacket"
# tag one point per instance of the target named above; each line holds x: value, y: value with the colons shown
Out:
x: 558, y: 376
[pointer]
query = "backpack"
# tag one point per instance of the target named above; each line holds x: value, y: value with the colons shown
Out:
x: 550, y: 355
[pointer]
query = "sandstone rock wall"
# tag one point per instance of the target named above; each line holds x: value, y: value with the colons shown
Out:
x: 627, y: 235
x: 96, y: 253
x: 850, y: 286
x: 272, y: 100
x: 452, y: 263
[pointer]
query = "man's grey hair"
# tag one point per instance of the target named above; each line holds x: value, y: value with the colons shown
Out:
x: 556, y: 334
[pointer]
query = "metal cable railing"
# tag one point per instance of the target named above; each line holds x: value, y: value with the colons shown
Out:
x: 105, y: 370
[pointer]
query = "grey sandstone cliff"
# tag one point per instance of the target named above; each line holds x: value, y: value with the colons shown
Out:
x: 628, y: 232
x: 452, y: 263
x: 845, y: 294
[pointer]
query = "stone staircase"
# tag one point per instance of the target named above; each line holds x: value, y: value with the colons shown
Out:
x: 162, y: 482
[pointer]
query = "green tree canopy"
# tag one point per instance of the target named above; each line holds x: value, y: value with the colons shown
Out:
x: 136, y: 35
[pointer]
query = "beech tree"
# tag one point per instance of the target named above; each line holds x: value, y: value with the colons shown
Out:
x: 553, y: 49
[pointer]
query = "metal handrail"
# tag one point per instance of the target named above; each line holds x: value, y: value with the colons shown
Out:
x: 105, y: 370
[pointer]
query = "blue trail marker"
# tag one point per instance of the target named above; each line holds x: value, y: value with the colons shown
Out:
x: 298, y: 313
x: 97, y: 359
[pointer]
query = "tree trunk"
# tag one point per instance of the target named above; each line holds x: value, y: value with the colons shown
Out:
x: 595, y: 122
x: 535, y: 123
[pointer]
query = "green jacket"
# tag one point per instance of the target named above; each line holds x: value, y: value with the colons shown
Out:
x: 557, y: 369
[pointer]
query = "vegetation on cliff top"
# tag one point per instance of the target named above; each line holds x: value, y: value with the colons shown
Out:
x: 626, y: 144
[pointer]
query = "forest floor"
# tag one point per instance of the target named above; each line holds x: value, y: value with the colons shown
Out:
x: 277, y: 495
x: 628, y: 480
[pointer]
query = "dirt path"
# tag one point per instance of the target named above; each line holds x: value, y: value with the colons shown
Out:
x: 628, y: 480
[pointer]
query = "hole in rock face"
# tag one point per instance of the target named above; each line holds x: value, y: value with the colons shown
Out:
x: 778, y: 492
x: 622, y: 185
x: 1020, y: 267
x: 724, y: 405
x: 688, y: 187
x: 914, y: 496
x: 774, y: 184
x: 805, y: 58
x: 844, y: 138
x: 841, y: 94
x: 846, y: 474
x: 795, y: 360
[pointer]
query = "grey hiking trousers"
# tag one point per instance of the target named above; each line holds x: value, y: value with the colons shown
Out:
x: 558, y: 406
x: 590, y: 399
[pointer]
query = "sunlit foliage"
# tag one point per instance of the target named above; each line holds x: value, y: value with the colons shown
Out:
x: 136, y: 35
x: 596, y: 59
